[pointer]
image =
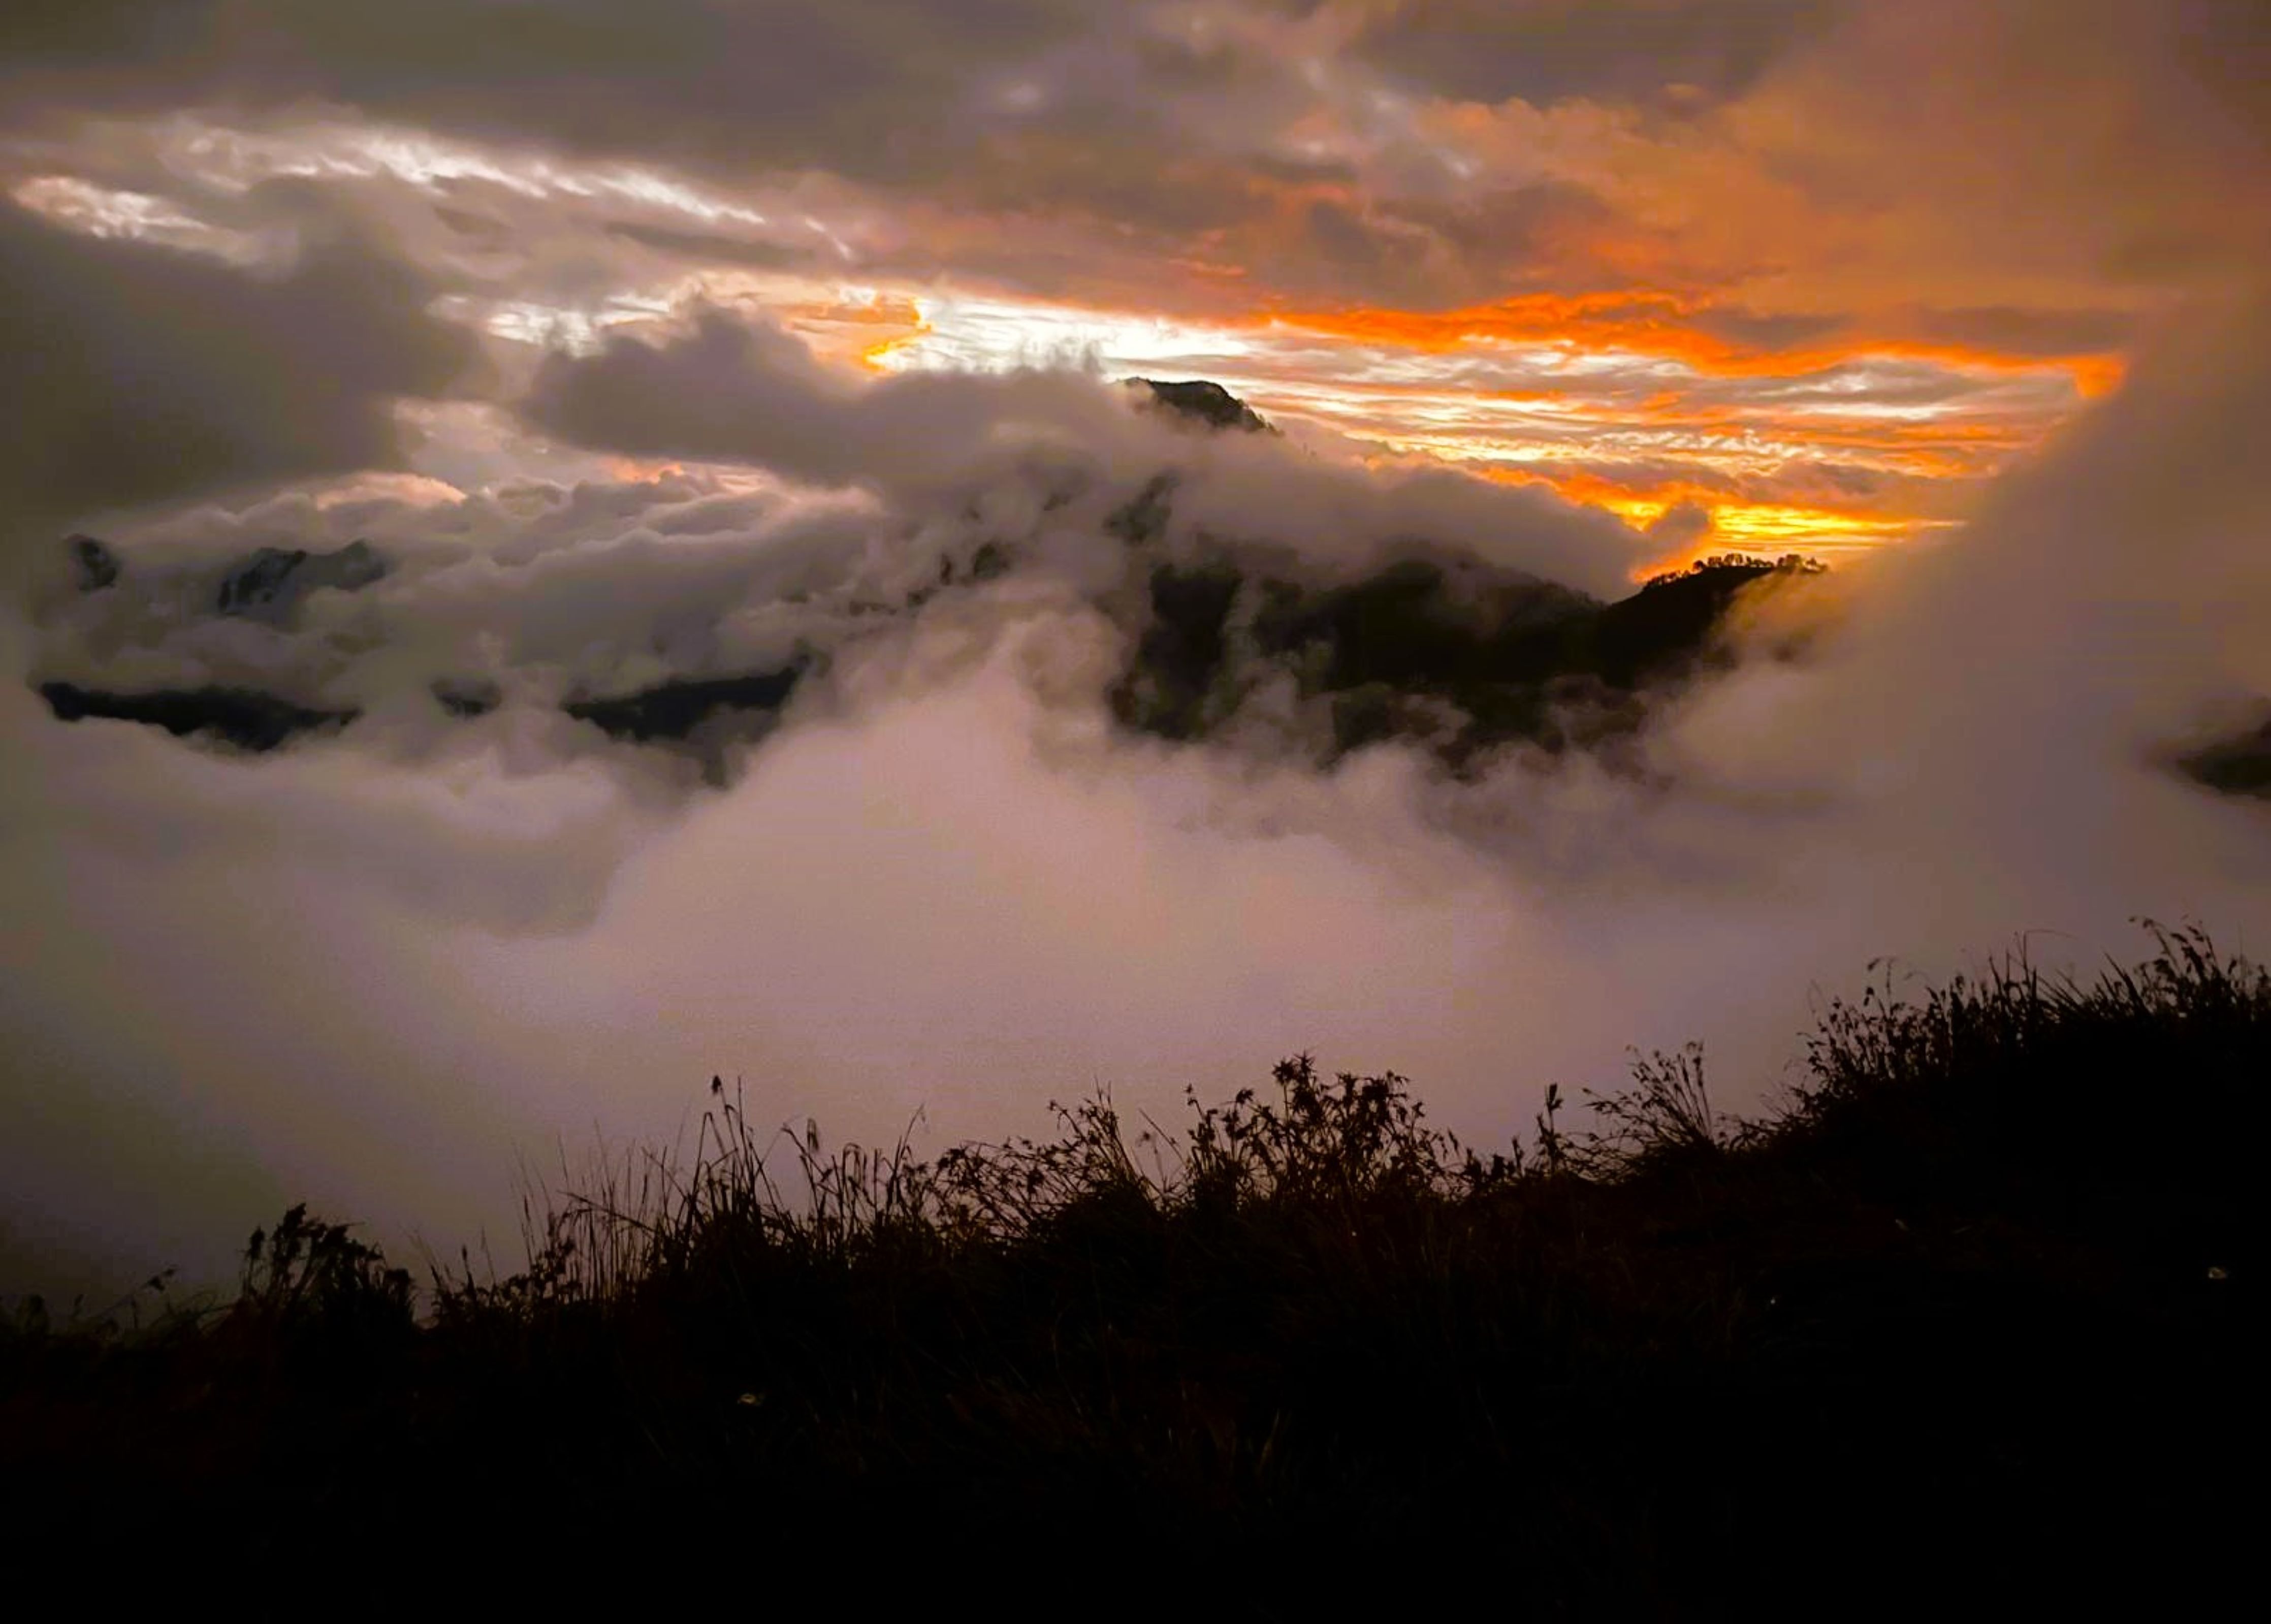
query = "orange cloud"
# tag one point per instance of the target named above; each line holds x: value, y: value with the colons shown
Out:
x: 1738, y: 523
x: 865, y: 329
x: 1668, y: 325
x: 1780, y: 429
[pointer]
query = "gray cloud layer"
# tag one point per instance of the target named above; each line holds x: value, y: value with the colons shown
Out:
x: 863, y: 87
x: 1547, y: 50
x: 1306, y: 145
x: 138, y: 373
x: 740, y: 392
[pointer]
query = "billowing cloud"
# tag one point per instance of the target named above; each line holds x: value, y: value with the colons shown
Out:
x: 734, y: 390
x: 737, y: 390
x: 140, y: 373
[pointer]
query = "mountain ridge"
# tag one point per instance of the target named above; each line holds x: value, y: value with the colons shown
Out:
x: 1432, y: 645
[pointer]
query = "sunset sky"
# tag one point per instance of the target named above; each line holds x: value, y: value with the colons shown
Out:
x: 1763, y: 273
x: 682, y: 342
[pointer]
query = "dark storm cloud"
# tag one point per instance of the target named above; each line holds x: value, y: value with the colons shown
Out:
x: 1444, y: 247
x: 2125, y: 144
x: 1340, y: 237
x: 1069, y: 148
x: 137, y: 373
x: 1514, y: 236
x: 868, y: 87
x: 714, y: 248
x: 1440, y: 252
x: 1751, y: 331
x: 1682, y: 524
x: 2006, y: 330
x: 2013, y: 331
x: 1544, y: 51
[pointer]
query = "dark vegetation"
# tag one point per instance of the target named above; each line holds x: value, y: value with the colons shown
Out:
x: 1456, y: 656
x: 1959, y: 1324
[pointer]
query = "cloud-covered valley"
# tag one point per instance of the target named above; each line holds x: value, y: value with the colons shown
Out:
x: 967, y: 862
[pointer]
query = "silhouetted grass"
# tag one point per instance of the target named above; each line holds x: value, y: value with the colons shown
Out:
x: 1957, y: 1323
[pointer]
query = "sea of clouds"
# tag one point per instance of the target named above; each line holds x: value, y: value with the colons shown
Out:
x: 384, y: 969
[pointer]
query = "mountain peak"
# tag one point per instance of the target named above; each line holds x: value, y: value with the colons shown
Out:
x: 270, y: 584
x: 1206, y: 403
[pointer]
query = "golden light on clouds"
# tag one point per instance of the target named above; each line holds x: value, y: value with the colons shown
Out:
x: 1743, y: 294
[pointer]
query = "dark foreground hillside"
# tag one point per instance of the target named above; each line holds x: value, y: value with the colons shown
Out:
x: 1960, y: 1327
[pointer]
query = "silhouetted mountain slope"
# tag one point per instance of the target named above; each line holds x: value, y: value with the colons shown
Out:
x: 1434, y: 647
x: 1206, y: 403
x: 674, y: 709
x: 1181, y: 657
x: 252, y: 720
x: 249, y: 719
x: 271, y: 582
x: 1445, y: 652
x: 1664, y: 627
x: 1459, y: 658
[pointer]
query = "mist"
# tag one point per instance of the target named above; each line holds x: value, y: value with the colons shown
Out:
x: 395, y: 970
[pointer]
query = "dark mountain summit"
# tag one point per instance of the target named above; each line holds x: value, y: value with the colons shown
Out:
x: 271, y: 584
x: 1206, y: 403
x: 666, y: 713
